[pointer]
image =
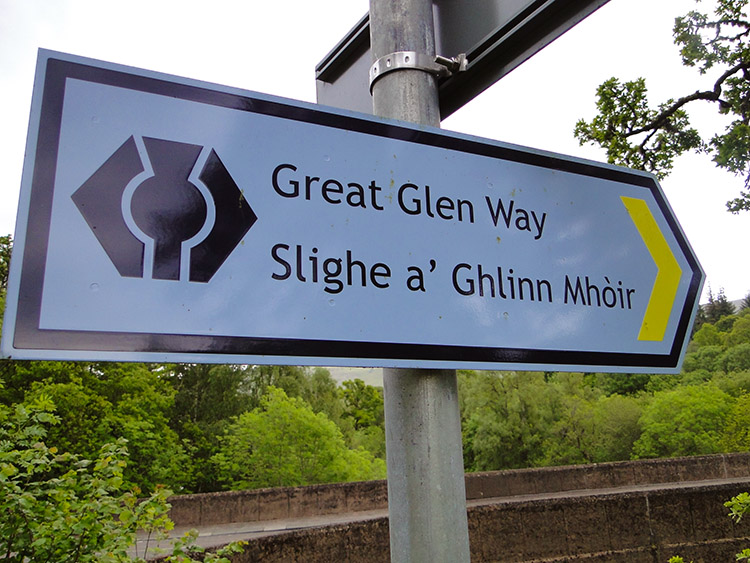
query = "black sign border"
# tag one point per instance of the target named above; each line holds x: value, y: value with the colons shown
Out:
x: 29, y: 336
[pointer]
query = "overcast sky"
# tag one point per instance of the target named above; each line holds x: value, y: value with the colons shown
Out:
x: 273, y: 48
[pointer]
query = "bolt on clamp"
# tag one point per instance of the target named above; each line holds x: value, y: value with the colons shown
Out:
x: 400, y: 60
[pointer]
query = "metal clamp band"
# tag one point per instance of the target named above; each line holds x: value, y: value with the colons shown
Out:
x: 400, y: 60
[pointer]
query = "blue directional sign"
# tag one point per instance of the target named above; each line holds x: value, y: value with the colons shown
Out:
x: 165, y: 219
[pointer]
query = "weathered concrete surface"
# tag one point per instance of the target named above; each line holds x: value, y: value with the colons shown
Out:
x: 630, y: 525
x: 275, y: 504
x: 296, y: 502
x: 632, y: 512
x: 616, y: 526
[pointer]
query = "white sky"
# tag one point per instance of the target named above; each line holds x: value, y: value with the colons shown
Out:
x: 273, y: 48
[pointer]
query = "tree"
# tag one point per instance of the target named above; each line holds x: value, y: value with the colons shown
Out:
x: 635, y: 134
x: 363, y: 404
x: 284, y: 443
x: 83, y: 413
x: 718, y: 307
x: 571, y: 437
x: 621, y: 383
x: 616, y: 424
x: 700, y: 320
x: 322, y: 394
x: 705, y: 358
x: 506, y: 419
x: 684, y: 421
x: 362, y: 419
x: 57, y: 506
x: 736, y: 434
x: 740, y: 332
x: 97, y: 403
x: 258, y: 379
x: 206, y: 398
x: 209, y: 396
x: 745, y: 303
x: 736, y: 358
x: 6, y: 247
x: 594, y: 430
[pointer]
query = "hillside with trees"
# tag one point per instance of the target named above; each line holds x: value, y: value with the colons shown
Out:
x: 517, y: 419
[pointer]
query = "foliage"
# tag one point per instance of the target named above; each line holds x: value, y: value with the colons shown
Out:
x: 717, y: 307
x: 621, y: 383
x: 616, y: 425
x: 6, y: 246
x: 209, y: 394
x: 533, y: 419
x: 708, y: 335
x: 740, y: 332
x: 100, y: 403
x: 663, y: 133
x: 739, y: 506
x: 284, y: 443
x: 735, y: 384
x: 290, y: 379
x: 683, y: 421
x: 523, y: 420
x: 174, y: 416
x: 60, y: 507
x: 592, y: 427
x: 363, y: 404
x: 736, y: 358
x: 638, y: 135
x: 206, y: 397
x: 707, y: 356
x: 736, y: 434
x: 323, y: 395
x: 506, y: 417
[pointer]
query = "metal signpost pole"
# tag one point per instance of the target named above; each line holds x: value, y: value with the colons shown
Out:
x: 426, y: 491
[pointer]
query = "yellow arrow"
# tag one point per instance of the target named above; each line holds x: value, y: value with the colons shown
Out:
x: 669, y: 272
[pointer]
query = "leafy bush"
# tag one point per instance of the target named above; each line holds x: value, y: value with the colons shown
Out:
x: 59, y: 507
x: 704, y: 358
x: 736, y: 358
x: 284, y: 443
x: 739, y: 506
x: 684, y: 421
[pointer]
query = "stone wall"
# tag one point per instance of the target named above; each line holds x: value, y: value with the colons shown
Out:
x: 642, y: 527
x: 297, y: 502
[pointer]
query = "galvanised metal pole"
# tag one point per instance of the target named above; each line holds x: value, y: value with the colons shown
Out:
x: 426, y: 491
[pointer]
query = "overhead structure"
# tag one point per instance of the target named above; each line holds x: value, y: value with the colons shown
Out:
x: 496, y: 36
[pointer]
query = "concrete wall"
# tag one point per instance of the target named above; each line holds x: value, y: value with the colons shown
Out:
x: 636, y: 527
x: 647, y: 527
x: 296, y: 502
x: 273, y: 504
